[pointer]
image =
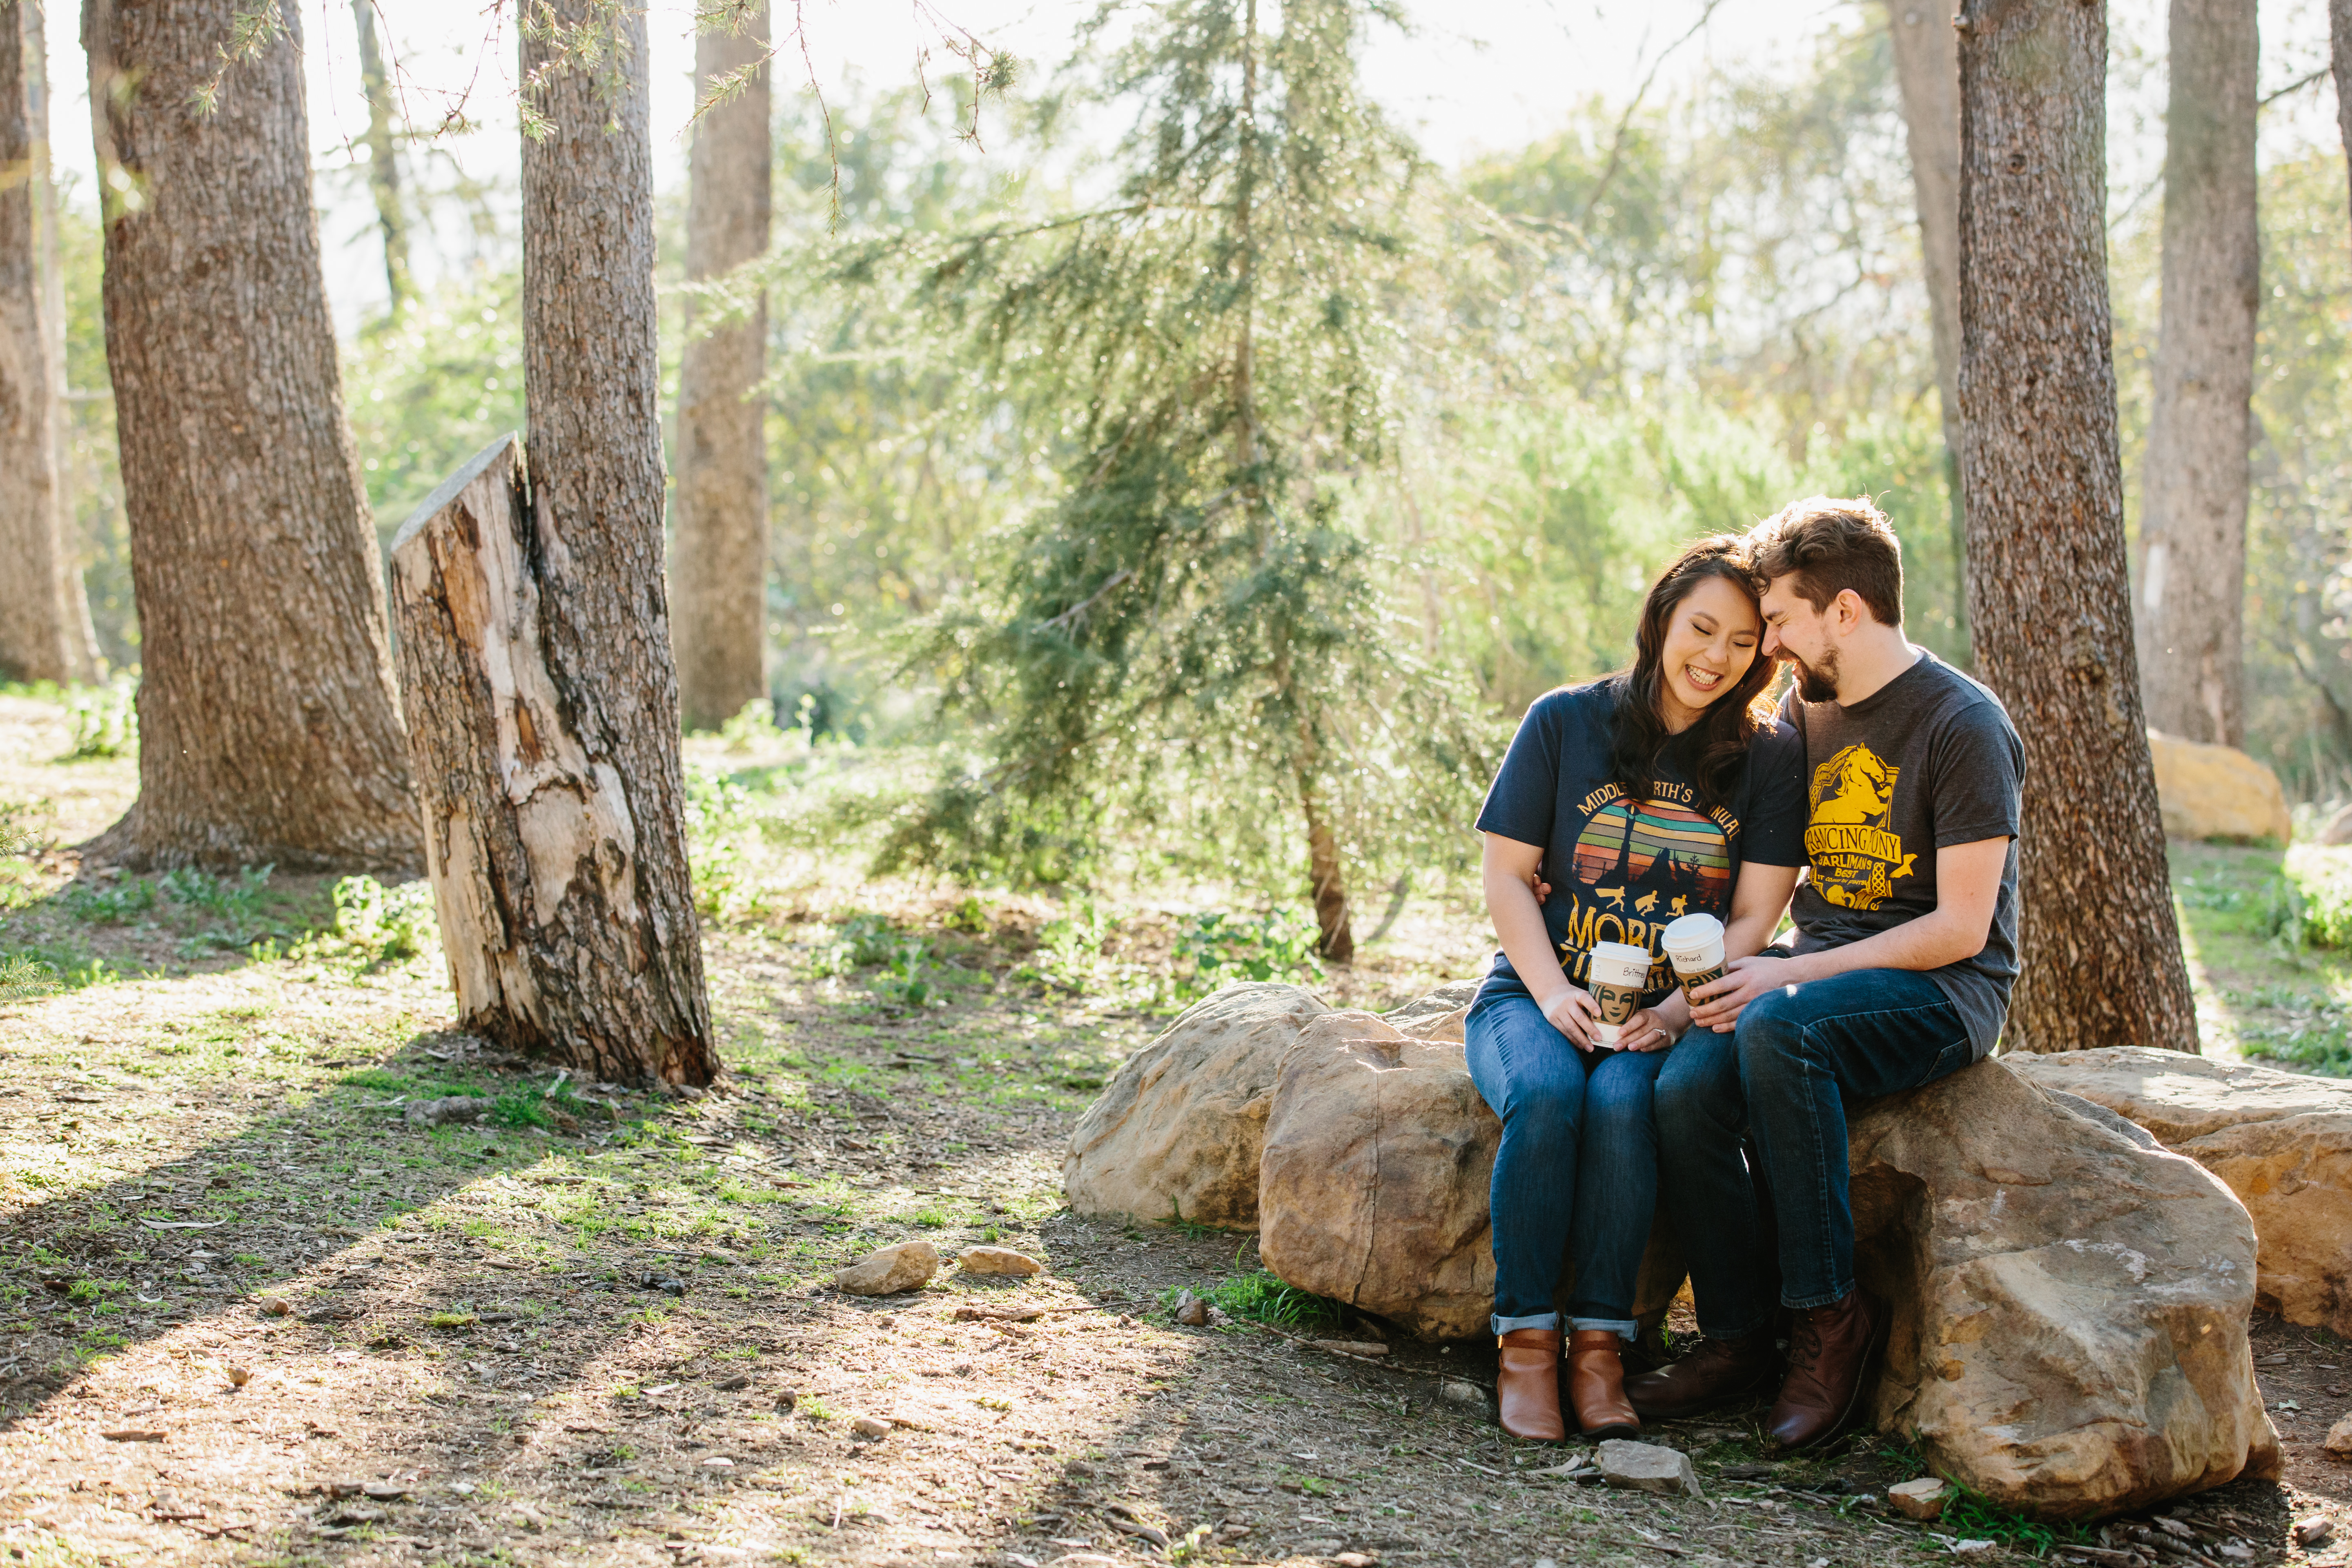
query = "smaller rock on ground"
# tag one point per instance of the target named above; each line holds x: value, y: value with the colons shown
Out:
x: 998, y: 1260
x: 1646, y: 1468
x: 2339, y: 1438
x: 1923, y: 1498
x: 906, y: 1266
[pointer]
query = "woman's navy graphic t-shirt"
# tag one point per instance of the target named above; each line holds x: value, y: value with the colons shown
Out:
x: 1621, y: 869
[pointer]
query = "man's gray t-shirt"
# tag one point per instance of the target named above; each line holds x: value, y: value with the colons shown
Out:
x: 1927, y: 761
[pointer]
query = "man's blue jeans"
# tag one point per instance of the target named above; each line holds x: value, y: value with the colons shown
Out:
x: 1786, y: 1074
x: 1578, y: 1169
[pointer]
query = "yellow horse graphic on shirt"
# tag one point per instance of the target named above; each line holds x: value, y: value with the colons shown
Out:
x: 1856, y: 860
x: 1854, y: 787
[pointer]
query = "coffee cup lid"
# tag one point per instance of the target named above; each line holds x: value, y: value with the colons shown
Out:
x: 1690, y: 931
x: 1621, y: 953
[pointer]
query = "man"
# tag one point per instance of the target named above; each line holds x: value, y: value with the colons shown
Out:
x: 1899, y: 973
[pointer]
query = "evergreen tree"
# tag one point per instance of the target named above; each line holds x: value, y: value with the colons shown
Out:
x: 1204, y: 615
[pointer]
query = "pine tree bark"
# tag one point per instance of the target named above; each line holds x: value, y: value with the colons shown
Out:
x: 2048, y: 593
x: 2339, y: 49
x: 38, y: 629
x: 1927, y: 83
x: 2193, y: 496
x: 383, y: 162
x: 535, y: 642
x: 88, y: 663
x: 718, y: 560
x: 268, y: 727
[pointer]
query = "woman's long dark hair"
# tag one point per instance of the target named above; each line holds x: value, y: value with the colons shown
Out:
x: 1720, y: 737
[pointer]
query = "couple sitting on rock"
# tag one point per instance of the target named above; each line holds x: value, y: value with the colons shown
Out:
x: 1674, y: 788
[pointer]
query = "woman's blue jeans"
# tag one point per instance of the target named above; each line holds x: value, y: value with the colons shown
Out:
x: 1576, y: 1178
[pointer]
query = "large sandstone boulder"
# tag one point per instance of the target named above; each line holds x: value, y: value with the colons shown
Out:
x: 2216, y: 792
x: 2282, y: 1142
x: 1176, y: 1131
x: 2070, y: 1306
x: 1373, y: 1188
x: 2070, y: 1301
x: 1440, y: 1015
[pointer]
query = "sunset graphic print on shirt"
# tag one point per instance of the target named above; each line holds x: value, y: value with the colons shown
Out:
x: 1640, y: 865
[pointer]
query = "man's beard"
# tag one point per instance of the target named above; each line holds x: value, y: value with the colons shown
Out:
x: 1817, y: 685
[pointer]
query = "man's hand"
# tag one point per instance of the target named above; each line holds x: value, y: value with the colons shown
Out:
x: 1574, y: 1013
x: 1537, y: 885
x: 1720, y: 1002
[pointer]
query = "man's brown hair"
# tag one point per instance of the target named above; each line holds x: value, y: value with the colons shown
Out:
x: 1829, y: 545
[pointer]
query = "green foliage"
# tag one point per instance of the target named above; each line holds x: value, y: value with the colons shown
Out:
x: 890, y: 456
x: 109, y: 903
x: 105, y: 721
x: 1214, y: 351
x: 1070, y: 949
x: 23, y: 977
x: 238, y: 897
x: 860, y: 942
x: 1217, y: 948
x: 384, y: 925
x: 427, y: 391
x: 910, y: 978
x: 2309, y: 904
x: 718, y: 811
x: 1261, y: 1298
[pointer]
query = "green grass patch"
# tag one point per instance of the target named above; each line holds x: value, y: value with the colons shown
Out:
x: 1261, y: 1298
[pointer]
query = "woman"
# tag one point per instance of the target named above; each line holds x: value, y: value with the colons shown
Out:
x: 1663, y: 790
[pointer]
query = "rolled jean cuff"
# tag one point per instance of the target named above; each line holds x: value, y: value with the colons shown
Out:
x: 1625, y: 1328
x: 1504, y: 1325
x: 1828, y: 1300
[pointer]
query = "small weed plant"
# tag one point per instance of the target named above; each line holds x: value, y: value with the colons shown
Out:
x: 105, y: 721
x: 861, y: 941
x: 384, y: 925
x: 1261, y: 1298
x: 1070, y: 955
x: 2309, y: 905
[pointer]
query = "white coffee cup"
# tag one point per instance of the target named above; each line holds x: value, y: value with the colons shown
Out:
x: 1620, y: 973
x: 1693, y: 944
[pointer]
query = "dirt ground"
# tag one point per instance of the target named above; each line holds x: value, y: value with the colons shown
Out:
x: 250, y: 1313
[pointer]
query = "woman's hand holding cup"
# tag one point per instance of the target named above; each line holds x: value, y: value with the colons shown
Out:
x: 1573, y: 1012
x: 1655, y: 1028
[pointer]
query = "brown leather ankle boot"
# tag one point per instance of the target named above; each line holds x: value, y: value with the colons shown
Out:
x: 1526, y: 1385
x: 1718, y: 1372
x: 1830, y: 1358
x: 1596, y: 1386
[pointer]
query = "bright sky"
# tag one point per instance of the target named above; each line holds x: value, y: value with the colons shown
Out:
x: 1476, y: 74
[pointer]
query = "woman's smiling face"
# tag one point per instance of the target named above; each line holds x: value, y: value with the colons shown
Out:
x: 1710, y: 642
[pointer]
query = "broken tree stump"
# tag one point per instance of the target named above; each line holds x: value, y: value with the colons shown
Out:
x: 560, y: 881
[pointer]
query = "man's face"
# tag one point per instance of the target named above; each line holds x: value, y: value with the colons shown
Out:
x: 1795, y: 631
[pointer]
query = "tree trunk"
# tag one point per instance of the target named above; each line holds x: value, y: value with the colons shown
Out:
x: 268, y: 727
x: 535, y: 644
x: 2339, y: 48
x: 532, y: 843
x: 1327, y: 878
x: 2193, y: 499
x: 1928, y: 81
x: 2049, y: 601
x: 718, y: 563
x: 81, y: 645
x: 37, y: 640
x: 384, y: 164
